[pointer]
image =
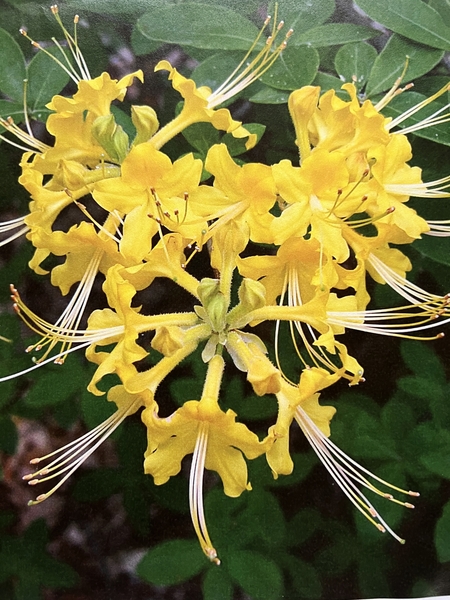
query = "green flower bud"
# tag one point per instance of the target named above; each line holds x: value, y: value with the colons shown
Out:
x: 111, y: 137
x: 146, y: 122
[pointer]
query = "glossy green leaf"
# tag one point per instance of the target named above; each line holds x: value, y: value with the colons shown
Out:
x: 354, y: 62
x: 11, y: 109
x: 390, y: 63
x: 116, y: 8
x: 411, y: 18
x: 198, y: 25
x: 172, y: 562
x: 423, y: 361
x: 328, y: 82
x: 236, y: 146
x: 45, y: 79
x: 302, y: 15
x: 442, y: 535
x: 12, y: 67
x: 295, y: 67
x: 269, y: 95
x: 443, y: 8
x: 215, y: 69
x: 217, y: 584
x: 333, y: 34
x: 141, y: 44
x: 257, y: 575
x: 201, y: 136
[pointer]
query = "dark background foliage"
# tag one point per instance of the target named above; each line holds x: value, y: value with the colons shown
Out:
x: 110, y: 533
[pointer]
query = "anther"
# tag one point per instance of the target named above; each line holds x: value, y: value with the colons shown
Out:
x: 380, y: 527
x: 54, y: 9
x: 280, y: 25
x: 409, y: 505
x: 33, y: 482
x: 35, y: 461
x: 410, y: 493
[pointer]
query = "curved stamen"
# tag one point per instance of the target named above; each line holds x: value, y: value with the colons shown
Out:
x: 11, y: 226
x: 196, y: 493
x: 402, y: 286
x: 73, y: 455
x: 345, y: 471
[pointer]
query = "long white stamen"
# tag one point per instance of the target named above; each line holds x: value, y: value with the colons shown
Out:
x: 345, y: 471
x: 11, y: 226
x: 196, y: 493
x: 70, y: 459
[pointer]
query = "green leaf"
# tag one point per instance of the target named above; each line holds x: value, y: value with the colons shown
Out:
x: 201, y: 136
x: 172, y: 562
x: 422, y: 360
x: 257, y: 575
x: 97, y: 484
x: 11, y: 109
x: 236, y: 146
x: 389, y: 64
x: 353, y: 62
x: 8, y: 435
x: 268, y: 95
x: 57, y: 384
x: 115, y: 8
x: 442, y: 535
x: 142, y: 45
x: 45, y: 79
x: 95, y: 409
x: 412, y: 18
x: 302, y: 15
x: 295, y: 67
x: 217, y: 585
x: 305, y: 578
x: 198, y: 25
x: 305, y: 523
x: 443, y: 8
x: 333, y: 34
x: 12, y: 67
x: 329, y: 82
x: 266, y: 517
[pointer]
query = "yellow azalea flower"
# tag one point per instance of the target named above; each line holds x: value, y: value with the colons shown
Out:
x: 200, y: 103
x: 73, y: 118
x: 122, y: 327
x: 152, y: 192
x: 214, y: 439
x: 196, y: 109
x: 335, y: 124
x: 390, y: 173
x: 165, y: 259
x: 314, y: 421
x: 288, y: 399
x: 248, y: 194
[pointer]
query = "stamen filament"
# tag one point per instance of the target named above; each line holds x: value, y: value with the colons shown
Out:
x: 70, y: 459
x: 345, y: 471
x: 196, y: 493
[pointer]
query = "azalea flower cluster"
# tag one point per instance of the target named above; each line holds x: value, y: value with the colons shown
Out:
x: 324, y: 227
